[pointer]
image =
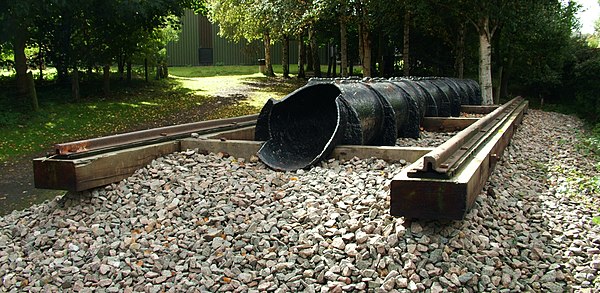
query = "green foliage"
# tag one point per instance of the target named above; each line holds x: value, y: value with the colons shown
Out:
x: 591, y: 143
x: 576, y: 184
x: 581, y: 81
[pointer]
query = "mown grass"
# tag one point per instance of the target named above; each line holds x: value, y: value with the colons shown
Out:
x: 130, y: 107
x: 226, y: 70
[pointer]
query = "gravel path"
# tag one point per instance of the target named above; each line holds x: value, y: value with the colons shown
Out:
x: 190, y: 221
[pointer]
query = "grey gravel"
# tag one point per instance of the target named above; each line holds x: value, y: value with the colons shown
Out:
x: 190, y: 221
x: 426, y: 139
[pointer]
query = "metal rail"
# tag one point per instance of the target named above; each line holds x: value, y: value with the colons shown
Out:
x: 451, y: 154
x: 95, y: 146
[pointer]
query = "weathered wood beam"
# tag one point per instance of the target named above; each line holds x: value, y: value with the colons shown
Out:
x: 475, y: 109
x: 386, y: 153
x: 236, y: 148
x: 442, y: 124
x: 85, y: 173
x: 431, y: 198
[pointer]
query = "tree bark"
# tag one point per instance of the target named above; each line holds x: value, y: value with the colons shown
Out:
x: 32, y: 92
x: 106, y: 80
x: 19, y: 44
x: 366, y: 50
x: 128, y: 71
x: 498, y: 87
x: 41, y: 63
x: 301, y: 56
x: 75, y: 84
x: 285, y: 58
x: 314, y: 48
x: 121, y: 67
x: 406, y: 44
x: 343, y: 47
x: 459, y: 62
x: 334, y: 57
x: 506, y: 77
x: 146, y: 69
x: 164, y: 70
x: 267, y: 44
x: 308, y: 56
x: 485, y: 61
x: 329, y: 61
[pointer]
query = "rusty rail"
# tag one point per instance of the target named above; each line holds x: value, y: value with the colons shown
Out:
x: 447, y: 156
x: 149, y: 136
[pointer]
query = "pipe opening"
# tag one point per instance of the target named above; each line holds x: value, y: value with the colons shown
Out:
x: 303, y: 127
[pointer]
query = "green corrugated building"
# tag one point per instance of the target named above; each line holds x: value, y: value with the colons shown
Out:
x: 200, y: 44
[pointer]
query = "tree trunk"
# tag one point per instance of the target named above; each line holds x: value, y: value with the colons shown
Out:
x: 301, y: 56
x: 343, y: 47
x: 32, y: 92
x: 366, y: 50
x: 314, y: 48
x: 19, y: 44
x: 380, y: 55
x: 485, y: 62
x: 329, y: 61
x: 506, y: 77
x: 308, y: 57
x: 497, y: 91
x: 459, y: 63
x: 334, y: 57
x: 128, y: 71
x: 406, y: 44
x: 41, y: 64
x: 285, y: 58
x: 75, y: 84
x: 146, y: 69
x: 360, y: 45
x: 106, y: 80
x: 62, y: 71
x: 121, y: 67
x: 267, y: 44
x: 164, y: 70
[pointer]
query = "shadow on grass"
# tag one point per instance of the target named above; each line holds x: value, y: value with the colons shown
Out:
x: 278, y: 86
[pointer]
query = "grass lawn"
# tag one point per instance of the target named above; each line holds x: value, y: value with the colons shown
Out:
x: 186, y: 97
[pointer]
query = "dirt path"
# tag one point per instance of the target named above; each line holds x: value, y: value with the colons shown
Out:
x: 16, y: 185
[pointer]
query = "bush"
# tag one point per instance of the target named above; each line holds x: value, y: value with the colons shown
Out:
x: 582, y: 83
x: 587, y: 88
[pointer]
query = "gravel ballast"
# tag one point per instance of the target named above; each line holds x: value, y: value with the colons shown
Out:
x: 206, y: 223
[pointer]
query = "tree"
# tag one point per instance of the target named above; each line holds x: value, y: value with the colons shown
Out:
x: 486, y: 16
x: 535, y: 46
x: 16, y: 18
x: 245, y: 19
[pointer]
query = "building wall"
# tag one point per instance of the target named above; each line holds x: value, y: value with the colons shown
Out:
x: 184, y: 52
x: 200, y: 38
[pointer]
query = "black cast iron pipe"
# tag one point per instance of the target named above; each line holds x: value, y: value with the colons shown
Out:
x: 306, y: 125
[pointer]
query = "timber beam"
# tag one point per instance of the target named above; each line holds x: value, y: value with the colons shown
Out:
x: 78, y: 174
x: 478, y: 109
x: 439, y: 191
x: 443, y: 124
